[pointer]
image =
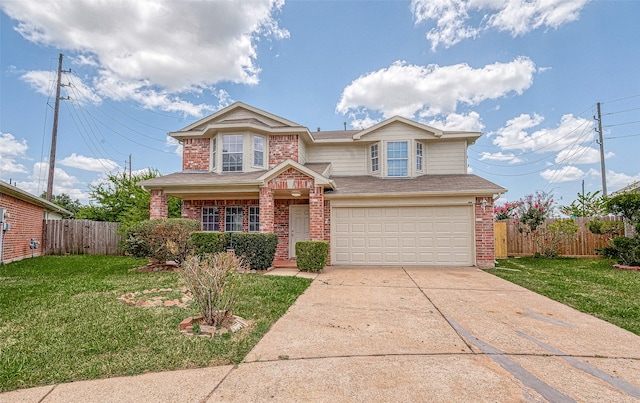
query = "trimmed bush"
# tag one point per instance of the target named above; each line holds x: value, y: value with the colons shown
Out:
x: 209, y: 242
x: 160, y: 239
x: 259, y: 249
x: 311, y: 255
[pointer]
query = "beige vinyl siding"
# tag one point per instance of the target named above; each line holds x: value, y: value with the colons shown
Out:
x: 346, y: 159
x: 445, y: 157
x: 245, y: 114
x: 302, y: 151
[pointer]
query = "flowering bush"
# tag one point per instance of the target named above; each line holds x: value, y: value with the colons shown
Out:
x: 506, y: 211
x: 532, y: 211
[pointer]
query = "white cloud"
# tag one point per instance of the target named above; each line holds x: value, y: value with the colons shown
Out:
x: 470, y: 122
x: 11, y: 149
x: 499, y: 156
x: 88, y: 163
x: 175, y: 144
x: 457, y: 20
x: 580, y: 155
x: 404, y: 89
x: 616, y: 180
x: 155, y: 48
x: 43, y: 82
x: 564, y: 174
x: 569, y: 132
x: 62, y: 182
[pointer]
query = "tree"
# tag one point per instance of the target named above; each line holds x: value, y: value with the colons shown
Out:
x: 64, y: 200
x: 120, y: 199
x: 532, y: 211
x: 626, y: 205
x: 593, y: 204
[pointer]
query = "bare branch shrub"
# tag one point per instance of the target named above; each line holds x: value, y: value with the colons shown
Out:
x: 212, y: 279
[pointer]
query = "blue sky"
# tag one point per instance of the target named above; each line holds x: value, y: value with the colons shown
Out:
x: 528, y: 74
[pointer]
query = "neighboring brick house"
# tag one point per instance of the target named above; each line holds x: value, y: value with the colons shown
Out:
x: 21, y: 220
x: 397, y: 193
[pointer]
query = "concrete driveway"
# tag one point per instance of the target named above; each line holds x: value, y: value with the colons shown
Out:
x: 404, y: 334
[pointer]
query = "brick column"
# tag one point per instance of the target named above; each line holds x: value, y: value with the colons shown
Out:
x: 159, y: 204
x: 266, y: 210
x: 316, y: 213
x: 485, y: 242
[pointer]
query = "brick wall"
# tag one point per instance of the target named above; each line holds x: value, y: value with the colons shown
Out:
x: 193, y: 209
x: 195, y: 154
x: 291, y: 179
x: 316, y: 214
x: 485, y: 241
x: 26, y: 223
x: 158, y: 204
x: 282, y: 148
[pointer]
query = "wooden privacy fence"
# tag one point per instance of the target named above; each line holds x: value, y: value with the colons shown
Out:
x: 80, y: 237
x: 511, y: 242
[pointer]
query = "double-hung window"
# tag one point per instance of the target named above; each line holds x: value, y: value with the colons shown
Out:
x: 258, y: 151
x: 210, y: 219
x: 419, y: 156
x: 233, y: 219
x: 214, y: 152
x: 254, y: 219
x: 375, y: 158
x: 397, y: 158
x: 232, y: 153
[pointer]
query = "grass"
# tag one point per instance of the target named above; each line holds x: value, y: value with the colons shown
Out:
x: 60, y: 321
x: 588, y: 285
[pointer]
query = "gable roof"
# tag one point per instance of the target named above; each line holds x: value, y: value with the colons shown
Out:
x: 285, y: 165
x: 227, y: 119
x: 420, y: 126
x: 20, y: 194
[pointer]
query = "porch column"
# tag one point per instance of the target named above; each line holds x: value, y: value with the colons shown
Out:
x: 485, y: 242
x: 316, y: 213
x: 158, y: 205
x: 266, y: 210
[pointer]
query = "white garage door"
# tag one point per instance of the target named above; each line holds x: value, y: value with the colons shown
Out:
x: 402, y: 235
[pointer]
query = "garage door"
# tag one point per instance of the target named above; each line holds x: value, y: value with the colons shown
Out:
x: 402, y: 235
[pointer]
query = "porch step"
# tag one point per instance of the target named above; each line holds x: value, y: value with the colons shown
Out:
x: 284, y: 264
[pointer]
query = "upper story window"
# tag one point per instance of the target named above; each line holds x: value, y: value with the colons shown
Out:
x: 214, y: 152
x: 419, y: 156
x: 397, y: 158
x: 258, y: 151
x: 210, y: 219
x: 232, y: 153
x: 375, y: 158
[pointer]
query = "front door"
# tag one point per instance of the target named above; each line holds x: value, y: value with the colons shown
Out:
x: 298, y: 226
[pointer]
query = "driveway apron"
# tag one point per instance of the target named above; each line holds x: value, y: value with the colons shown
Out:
x: 434, y: 334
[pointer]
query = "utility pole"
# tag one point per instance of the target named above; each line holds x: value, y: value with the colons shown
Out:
x: 54, y: 133
x: 129, y: 166
x: 601, y: 142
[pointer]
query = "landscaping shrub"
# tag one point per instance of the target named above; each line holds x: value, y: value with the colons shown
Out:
x: 212, y: 279
x: 209, y: 242
x: 609, y: 228
x: 624, y: 250
x: 311, y: 255
x: 259, y: 249
x: 555, y: 234
x: 160, y: 239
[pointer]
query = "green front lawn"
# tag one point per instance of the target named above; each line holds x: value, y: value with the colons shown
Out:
x: 61, y: 321
x: 588, y: 285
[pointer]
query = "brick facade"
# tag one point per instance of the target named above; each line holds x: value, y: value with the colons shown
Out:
x: 485, y: 241
x: 282, y: 148
x: 26, y: 221
x: 196, y: 154
x: 158, y: 205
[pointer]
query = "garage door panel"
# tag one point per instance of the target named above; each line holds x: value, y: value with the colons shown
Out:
x: 403, y: 235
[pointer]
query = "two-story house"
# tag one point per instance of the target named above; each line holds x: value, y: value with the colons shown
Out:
x: 397, y: 193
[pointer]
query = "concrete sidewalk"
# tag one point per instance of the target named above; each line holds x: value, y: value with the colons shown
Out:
x: 394, y: 334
